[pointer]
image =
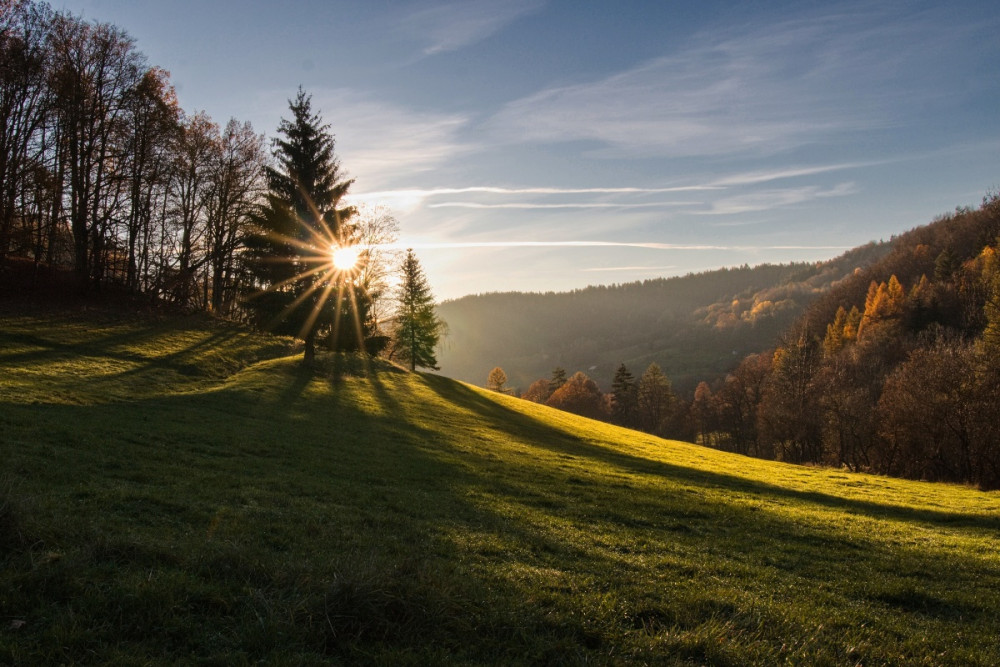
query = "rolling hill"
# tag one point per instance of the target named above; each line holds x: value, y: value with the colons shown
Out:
x: 179, y: 491
x: 696, y: 327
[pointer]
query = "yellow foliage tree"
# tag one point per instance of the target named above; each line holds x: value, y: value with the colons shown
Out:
x: 883, y: 306
x: 834, y: 341
x: 991, y: 280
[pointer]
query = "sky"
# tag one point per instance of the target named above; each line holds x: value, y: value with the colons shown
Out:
x: 547, y: 145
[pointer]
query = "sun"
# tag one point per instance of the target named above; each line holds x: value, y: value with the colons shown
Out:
x: 345, y: 258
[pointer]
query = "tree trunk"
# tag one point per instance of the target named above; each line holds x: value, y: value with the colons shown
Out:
x: 309, y: 354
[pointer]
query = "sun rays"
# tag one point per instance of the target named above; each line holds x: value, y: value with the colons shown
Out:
x: 345, y: 258
x: 328, y: 264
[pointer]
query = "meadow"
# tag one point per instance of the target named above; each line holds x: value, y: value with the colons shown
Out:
x: 180, y: 491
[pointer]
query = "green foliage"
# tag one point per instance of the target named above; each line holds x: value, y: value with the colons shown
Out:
x: 991, y: 308
x: 417, y: 326
x: 654, y: 399
x: 625, y: 397
x: 170, y: 504
x: 557, y: 380
x: 301, y: 293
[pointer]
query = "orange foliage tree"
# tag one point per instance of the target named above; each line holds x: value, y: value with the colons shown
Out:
x: 580, y: 395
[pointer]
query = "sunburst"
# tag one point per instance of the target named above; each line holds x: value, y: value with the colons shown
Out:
x: 346, y: 258
x: 330, y: 264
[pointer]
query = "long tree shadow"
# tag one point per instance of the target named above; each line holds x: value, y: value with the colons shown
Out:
x: 132, y: 345
x: 409, y: 584
x: 547, y: 436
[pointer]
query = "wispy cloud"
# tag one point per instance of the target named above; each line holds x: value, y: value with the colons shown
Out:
x: 612, y: 197
x: 433, y: 192
x: 581, y: 205
x: 461, y: 245
x: 768, y: 175
x: 765, y: 200
x: 630, y: 269
x: 759, y: 200
x: 383, y: 142
x: 407, y: 199
x: 450, y: 26
x: 761, y: 90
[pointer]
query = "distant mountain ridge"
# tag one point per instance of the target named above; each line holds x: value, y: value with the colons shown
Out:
x: 696, y: 326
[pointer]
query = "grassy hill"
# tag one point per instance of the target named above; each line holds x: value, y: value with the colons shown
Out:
x: 183, y: 493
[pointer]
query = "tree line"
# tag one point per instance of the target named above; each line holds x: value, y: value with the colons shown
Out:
x: 695, y: 327
x: 647, y: 403
x: 103, y: 173
x: 895, y: 370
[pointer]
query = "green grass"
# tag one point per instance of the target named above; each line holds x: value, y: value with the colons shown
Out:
x: 181, y: 493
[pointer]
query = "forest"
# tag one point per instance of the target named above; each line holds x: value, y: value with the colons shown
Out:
x: 881, y: 360
x: 102, y: 171
x: 695, y: 326
x: 108, y: 187
x: 894, y: 370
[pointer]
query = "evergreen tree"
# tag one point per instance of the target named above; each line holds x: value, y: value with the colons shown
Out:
x: 625, y: 397
x: 558, y: 378
x: 290, y: 249
x: 418, y: 327
x: 834, y: 340
x: 655, y: 399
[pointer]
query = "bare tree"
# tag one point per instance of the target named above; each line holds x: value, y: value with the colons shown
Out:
x: 94, y: 67
x: 154, y: 117
x: 236, y: 184
x: 24, y: 101
x: 377, y: 231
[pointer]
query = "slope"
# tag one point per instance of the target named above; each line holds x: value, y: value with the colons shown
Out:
x: 365, y: 515
x: 696, y: 327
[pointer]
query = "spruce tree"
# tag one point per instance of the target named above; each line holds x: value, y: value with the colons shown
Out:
x: 558, y: 378
x: 625, y: 393
x: 300, y: 293
x: 655, y: 397
x: 417, y: 326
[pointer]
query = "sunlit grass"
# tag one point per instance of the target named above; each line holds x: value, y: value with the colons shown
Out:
x: 361, y: 514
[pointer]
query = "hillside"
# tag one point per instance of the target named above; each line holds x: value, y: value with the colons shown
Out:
x: 160, y: 499
x: 895, y: 370
x: 696, y: 327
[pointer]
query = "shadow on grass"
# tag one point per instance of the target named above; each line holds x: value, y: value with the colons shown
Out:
x: 545, y: 435
x: 183, y: 346
x: 346, y: 542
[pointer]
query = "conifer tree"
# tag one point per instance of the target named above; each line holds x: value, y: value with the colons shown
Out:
x: 625, y: 397
x: 834, y: 340
x: 558, y: 378
x: 991, y: 309
x: 418, y: 328
x: 655, y: 398
x: 300, y: 293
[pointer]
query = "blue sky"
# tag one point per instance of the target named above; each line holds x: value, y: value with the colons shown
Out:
x: 546, y: 145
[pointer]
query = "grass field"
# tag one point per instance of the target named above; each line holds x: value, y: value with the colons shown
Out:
x: 183, y: 493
